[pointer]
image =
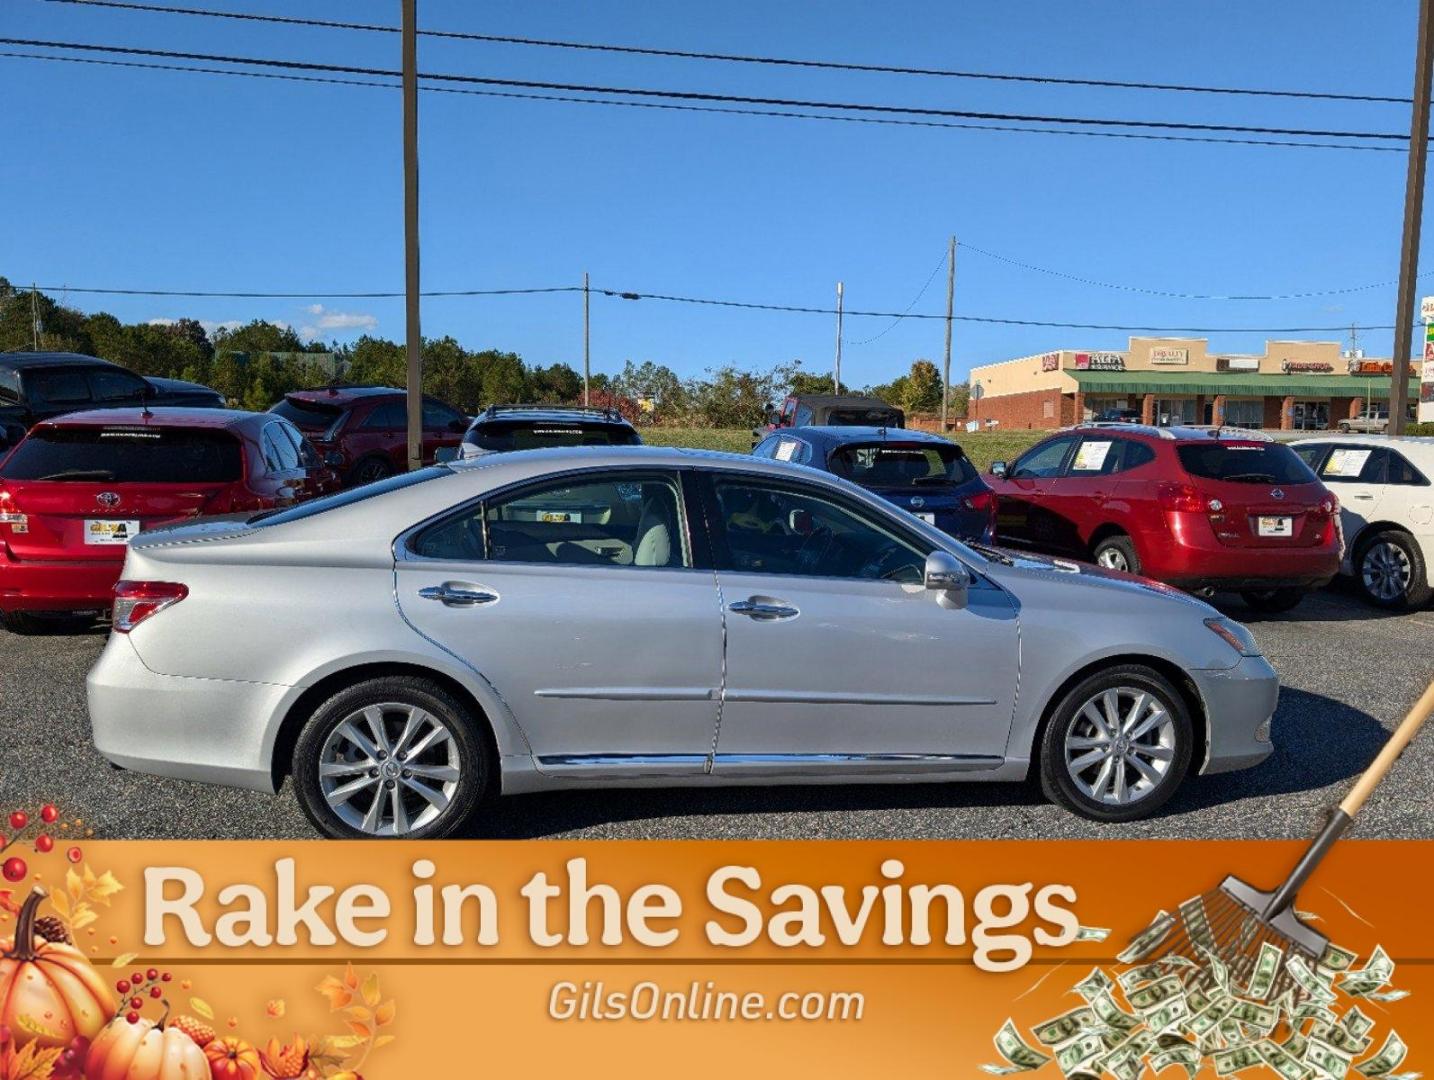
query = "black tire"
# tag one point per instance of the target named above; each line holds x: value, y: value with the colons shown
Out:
x: 369, y: 470
x: 1272, y: 601
x: 1116, y: 552
x: 36, y: 623
x: 1344, y: 427
x: 465, y: 750
x: 1057, y: 781
x: 1391, y: 552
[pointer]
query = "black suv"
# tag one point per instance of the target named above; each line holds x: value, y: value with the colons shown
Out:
x: 37, y: 386
x: 500, y: 428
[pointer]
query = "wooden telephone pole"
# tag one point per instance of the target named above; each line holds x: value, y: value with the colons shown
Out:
x: 950, y: 307
x: 410, y: 233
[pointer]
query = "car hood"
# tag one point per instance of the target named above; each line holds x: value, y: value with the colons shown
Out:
x: 1024, y: 565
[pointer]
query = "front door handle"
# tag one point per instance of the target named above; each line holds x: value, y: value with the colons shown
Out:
x: 453, y: 596
x: 763, y: 609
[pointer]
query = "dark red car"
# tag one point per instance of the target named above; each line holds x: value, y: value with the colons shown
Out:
x: 1200, y: 509
x: 77, y: 487
x: 362, y: 431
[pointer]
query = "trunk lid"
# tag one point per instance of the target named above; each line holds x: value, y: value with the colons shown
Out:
x: 1259, y: 494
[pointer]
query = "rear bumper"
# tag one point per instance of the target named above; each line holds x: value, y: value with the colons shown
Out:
x: 1238, y: 702
x: 1187, y: 555
x: 211, y: 730
x: 58, y: 586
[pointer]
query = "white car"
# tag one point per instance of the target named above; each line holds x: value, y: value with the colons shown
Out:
x: 1387, y: 509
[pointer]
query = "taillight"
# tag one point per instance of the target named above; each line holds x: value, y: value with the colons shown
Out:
x: 981, y: 500
x: 8, y: 514
x: 136, y: 601
x: 1186, y: 498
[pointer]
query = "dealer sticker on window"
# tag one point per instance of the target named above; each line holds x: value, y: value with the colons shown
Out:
x: 110, y: 532
x: 1276, y: 526
x: 560, y: 517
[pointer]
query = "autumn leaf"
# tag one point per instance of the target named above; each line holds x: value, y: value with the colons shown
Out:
x: 383, y: 1040
x: 124, y: 960
x: 371, y: 993
x: 384, y: 1014
x: 61, y: 903
x: 74, y: 885
x: 335, y: 1044
x: 359, y: 1013
x: 202, y: 1007
x: 363, y: 1031
x: 276, y: 1008
x: 32, y: 1062
x: 337, y: 993
x: 351, y: 979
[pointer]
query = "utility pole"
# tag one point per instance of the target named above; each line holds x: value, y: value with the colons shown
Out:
x: 1413, y: 213
x: 410, y: 233
x: 836, y: 375
x: 587, y: 371
x: 35, y: 315
x: 950, y: 304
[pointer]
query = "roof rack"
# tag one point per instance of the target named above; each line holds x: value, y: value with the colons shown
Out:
x: 606, y: 413
x: 1122, y: 425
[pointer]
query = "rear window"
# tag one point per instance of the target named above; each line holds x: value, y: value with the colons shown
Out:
x: 880, y: 465
x: 863, y: 418
x: 127, y: 455
x: 504, y: 435
x: 349, y: 496
x: 307, y: 414
x: 1263, y: 463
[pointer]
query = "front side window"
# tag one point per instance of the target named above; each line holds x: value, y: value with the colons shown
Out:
x: 438, y: 417
x: 771, y: 529
x: 623, y: 519
x: 390, y: 416
x: 1043, y: 461
x: 114, y: 386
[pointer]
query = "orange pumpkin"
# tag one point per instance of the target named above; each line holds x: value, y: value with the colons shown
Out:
x: 232, y: 1059
x: 49, y: 993
x: 145, y: 1051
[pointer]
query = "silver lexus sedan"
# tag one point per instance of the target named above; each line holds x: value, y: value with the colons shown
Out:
x: 644, y: 616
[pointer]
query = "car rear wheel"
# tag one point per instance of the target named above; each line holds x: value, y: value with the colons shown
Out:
x: 390, y: 757
x: 1117, y: 746
x: 1344, y: 427
x: 370, y: 470
x: 1390, y: 571
x: 1272, y: 601
x: 1117, y: 553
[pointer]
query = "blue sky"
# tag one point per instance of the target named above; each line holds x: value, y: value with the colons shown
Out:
x: 128, y: 178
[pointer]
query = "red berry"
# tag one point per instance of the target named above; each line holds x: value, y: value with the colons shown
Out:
x: 15, y: 869
x: 155, y: 992
x: 136, y: 1003
x: 74, y: 854
x: 44, y: 844
x: 122, y: 986
x: 19, y: 819
x: 49, y: 813
x: 137, y: 978
x: 132, y: 1017
x: 152, y: 974
x: 165, y: 977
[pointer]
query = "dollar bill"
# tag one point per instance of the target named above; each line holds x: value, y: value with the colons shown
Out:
x: 1282, y: 1061
x: 1374, y: 975
x: 1267, y: 966
x: 1217, y: 969
x: 1094, y: 984
x: 1080, y: 1052
x: 1146, y: 998
x: 1308, y: 981
x: 1355, y: 1022
x: 1257, y: 1015
x: 1336, y: 959
x: 1208, y: 1019
x: 1186, y: 1056
x: 1391, y: 1055
x: 1018, y: 1054
x: 1329, y: 1060
x: 1197, y: 923
x: 1149, y: 939
x: 1313, y: 1010
x: 1387, y: 995
x: 1236, y: 1059
x: 1112, y: 1015
x: 1340, y: 1037
x: 1092, y: 933
x: 1063, y: 1028
x: 1296, y: 1044
x: 1168, y: 1015
x: 1143, y: 973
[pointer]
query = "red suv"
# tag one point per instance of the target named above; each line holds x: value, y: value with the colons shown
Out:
x: 77, y: 487
x: 362, y: 431
x: 1201, y: 509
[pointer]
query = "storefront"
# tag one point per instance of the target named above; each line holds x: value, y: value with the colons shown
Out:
x: 1295, y: 386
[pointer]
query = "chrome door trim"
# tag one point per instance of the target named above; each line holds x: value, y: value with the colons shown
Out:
x: 851, y: 764
x: 817, y: 697
x: 631, y: 693
x: 618, y: 766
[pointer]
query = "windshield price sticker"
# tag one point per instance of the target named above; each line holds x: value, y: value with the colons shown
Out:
x: 785, y: 450
x: 1345, y: 463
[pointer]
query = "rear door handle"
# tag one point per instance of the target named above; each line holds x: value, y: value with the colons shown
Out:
x: 763, y: 609
x: 453, y: 596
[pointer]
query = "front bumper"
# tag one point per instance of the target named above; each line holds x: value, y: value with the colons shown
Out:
x: 211, y: 730
x: 1238, y: 703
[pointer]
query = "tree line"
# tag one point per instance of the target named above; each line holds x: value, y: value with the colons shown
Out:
x: 254, y: 365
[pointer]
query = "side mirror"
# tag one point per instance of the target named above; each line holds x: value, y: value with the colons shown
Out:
x: 444, y: 454
x: 999, y: 469
x: 947, y: 575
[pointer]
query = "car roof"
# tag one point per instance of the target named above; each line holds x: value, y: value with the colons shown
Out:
x: 23, y: 360
x: 1174, y: 433
x: 558, y: 414
x: 339, y: 394
x: 1412, y: 442
x: 838, y: 434
x: 159, y: 417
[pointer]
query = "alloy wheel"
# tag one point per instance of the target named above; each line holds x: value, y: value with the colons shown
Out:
x: 1120, y: 745
x: 1386, y: 571
x: 389, y: 769
x: 1112, y: 558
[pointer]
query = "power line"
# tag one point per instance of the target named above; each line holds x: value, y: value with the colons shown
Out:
x: 1181, y: 295
x: 711, y: 109
x: 254, y: 295
x: 914, y: 301
x: 694, y: 95
x: 683, y: 54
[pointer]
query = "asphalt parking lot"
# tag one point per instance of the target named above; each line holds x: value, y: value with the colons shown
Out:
x: 1349, y: 672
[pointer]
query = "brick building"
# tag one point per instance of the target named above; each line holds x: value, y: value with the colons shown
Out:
x: 1294, y: 385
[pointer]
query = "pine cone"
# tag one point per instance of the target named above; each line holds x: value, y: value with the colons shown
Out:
x: 52, y: 929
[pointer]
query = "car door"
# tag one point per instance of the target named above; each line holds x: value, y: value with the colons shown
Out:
x: 579, y: 599
x: 838, y: 660
x: 1074, y: 501
x: 442, y: 427
x: 1021, y: 514
x: 1356, y: 473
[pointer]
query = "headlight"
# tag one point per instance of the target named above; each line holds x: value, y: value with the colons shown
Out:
x: 1235, y: 635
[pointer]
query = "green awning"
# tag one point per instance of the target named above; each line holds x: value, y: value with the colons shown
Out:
x: 1235, y: 384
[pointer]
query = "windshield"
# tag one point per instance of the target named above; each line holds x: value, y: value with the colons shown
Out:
x: 504, y: 435
x: 1262, y: 463
x: 307, y: 414
x: 127, y: 455
x: 349, y: 496
x: 883, y: 465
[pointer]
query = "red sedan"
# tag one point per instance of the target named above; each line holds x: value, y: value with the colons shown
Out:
x: 77, y: 487
x: 1200, y: 509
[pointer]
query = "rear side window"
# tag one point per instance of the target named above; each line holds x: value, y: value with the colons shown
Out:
x: 875, y: 465
x: 390, y: 416
x: 1237, y: 463
x: 127, y: 455
x: 505, y: 435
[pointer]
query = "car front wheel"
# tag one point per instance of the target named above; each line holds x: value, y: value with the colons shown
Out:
x: 1390, y: 572
x: 390, y: 757
x: 1117, y: 746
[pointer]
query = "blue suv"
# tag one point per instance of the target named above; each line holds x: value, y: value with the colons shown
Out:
x: 922, y: 473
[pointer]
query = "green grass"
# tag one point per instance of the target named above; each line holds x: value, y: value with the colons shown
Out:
x: 982, y: 447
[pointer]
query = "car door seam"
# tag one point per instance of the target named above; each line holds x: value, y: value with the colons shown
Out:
x: 722, y: 674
